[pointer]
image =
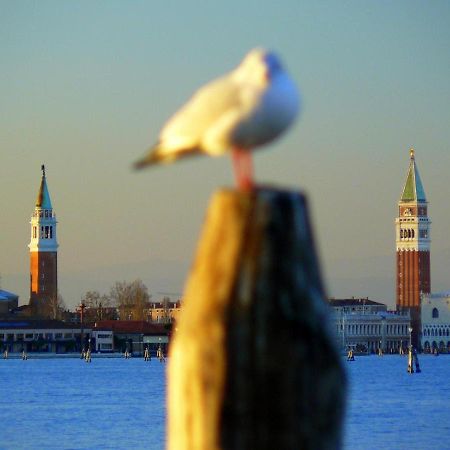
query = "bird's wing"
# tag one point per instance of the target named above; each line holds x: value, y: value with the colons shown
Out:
x: 206, y: 107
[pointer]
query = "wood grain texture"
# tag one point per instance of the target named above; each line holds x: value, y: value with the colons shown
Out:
x: 253, y: 363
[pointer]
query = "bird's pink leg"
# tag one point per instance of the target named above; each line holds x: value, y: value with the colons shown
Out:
x: 243, y: 169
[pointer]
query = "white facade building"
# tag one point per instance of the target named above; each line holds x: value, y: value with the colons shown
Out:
x: 435, y: 311
x: 366, y: 326
x: 104, y: 340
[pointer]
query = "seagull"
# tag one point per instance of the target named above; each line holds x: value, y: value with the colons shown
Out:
x: 247, y: 108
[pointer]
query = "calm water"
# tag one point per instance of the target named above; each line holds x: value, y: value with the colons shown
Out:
x: 391, y: 409
x: 69, y: 404
x: 119, y: 404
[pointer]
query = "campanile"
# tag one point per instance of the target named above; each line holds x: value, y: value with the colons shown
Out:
x: 413, y: 246
x: 43, y: 249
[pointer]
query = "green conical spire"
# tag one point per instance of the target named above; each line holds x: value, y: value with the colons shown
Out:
x: 413, y: 190
x: 43, y: 199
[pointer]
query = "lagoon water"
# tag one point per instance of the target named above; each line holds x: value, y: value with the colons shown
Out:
x: 390, y: 409
x: 66, y: 403
x: 113, y: 403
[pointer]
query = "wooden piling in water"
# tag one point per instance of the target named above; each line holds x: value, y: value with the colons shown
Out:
x: 253, y: 364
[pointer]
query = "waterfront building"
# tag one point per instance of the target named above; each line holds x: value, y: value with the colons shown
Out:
x: 43, y: 251
x: 52, y: 336
x: 412, y: 228
x: 134, y: 335
x: 103, y: 338
x: 435, y: 313
x: 367, y: 326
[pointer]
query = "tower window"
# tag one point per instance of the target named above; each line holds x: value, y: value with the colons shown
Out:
x: 435, y: 313
x: 51, y: 232
x: 34, y: 232
x: 47, y: 232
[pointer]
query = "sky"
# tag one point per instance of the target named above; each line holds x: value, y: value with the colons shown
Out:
x: 86, y: 86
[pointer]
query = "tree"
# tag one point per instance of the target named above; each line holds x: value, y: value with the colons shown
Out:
x: 132, y: 299
x: 50, y: 308
x: 59, y: 307
x: 98, y: 307
x: 92, y: 299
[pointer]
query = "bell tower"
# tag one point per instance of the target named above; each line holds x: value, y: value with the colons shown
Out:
x: 43, y: 250
x: 413, y: 247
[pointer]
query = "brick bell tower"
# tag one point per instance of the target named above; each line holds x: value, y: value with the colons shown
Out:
x: 412, y: 227
x: 43, y: 251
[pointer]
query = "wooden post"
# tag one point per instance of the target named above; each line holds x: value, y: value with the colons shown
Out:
x: 253, y: 364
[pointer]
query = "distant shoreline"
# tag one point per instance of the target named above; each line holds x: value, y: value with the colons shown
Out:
x: 68, y: 355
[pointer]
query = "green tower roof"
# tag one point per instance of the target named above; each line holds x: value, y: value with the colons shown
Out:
x: 413, y: 190
x: 43, y: 199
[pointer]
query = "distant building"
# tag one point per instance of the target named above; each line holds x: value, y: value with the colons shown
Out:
x: 103, y: 338
x: 436, y: 322
x: 8, y: 302
x: 52, y: 336
x: 413, y: 247
x: 356, y: 306
x: 43, y: 251
x: 133, y: 335
x: 165, y: 311
x: 365, y: 325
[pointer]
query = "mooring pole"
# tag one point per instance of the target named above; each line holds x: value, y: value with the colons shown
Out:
x: 81, y: 308
x: 253, y: 364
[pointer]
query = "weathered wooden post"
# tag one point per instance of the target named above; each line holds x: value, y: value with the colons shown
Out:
x: 253, y: 364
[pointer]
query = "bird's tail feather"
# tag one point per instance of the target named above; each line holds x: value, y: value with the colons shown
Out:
x: 159, y: 155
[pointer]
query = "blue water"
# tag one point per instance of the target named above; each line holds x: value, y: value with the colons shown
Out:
x: 120, y: 404
x: 391, y: 409
x: 70, y: 404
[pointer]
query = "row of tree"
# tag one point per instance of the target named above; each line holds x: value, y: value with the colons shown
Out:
x: 125, y: 301
x: 130, y: 299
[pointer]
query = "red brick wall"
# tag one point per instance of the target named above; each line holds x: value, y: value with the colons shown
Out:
x: 43, y: 275
x: 413, y: 277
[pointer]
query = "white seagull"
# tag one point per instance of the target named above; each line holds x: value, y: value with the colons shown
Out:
x: 244, y: 109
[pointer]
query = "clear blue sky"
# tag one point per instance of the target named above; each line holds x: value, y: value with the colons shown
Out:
x: 85, y: 87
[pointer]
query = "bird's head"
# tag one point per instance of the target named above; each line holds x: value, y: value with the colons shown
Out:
x: 259, y: 66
